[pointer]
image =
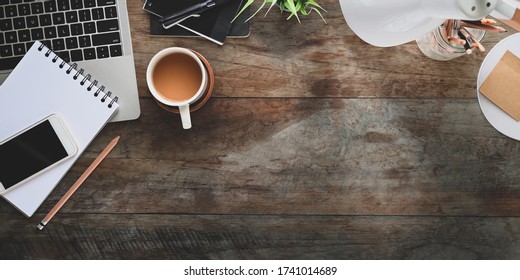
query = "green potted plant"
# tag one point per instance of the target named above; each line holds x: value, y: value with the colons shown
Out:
x: 293, y: 7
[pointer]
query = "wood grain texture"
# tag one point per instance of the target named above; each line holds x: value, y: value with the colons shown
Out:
x: 303, y: 157
x: 136, y: 236
x: 313, y: 146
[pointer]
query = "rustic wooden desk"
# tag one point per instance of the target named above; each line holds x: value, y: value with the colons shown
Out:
x: 314, y: 146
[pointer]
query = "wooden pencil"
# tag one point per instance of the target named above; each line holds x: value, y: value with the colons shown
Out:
x: 483, y: 27
x: 78, y: 183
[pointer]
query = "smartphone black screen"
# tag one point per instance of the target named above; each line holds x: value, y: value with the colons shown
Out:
x: 29, y: 153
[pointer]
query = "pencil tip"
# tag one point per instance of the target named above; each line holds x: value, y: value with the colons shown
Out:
x: 40, y: 225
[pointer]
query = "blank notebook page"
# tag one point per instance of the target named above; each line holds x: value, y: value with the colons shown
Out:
x: 37, y: 88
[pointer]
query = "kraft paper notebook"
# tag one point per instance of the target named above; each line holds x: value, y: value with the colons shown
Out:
x: 40, y: 85
x: 503, y: 84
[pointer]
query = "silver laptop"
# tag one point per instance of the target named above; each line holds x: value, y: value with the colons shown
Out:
x: 95, y: 34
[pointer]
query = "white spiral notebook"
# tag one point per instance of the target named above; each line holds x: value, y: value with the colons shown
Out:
x: 44, y: 84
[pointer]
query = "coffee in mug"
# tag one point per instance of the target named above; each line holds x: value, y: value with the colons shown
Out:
x: 177, y: 77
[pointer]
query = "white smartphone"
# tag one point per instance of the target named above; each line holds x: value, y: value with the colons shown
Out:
x: 33, y: 151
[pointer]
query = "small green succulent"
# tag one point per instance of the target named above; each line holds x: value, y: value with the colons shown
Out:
x: 294, y: 7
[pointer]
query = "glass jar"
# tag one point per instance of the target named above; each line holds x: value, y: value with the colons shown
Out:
x: 435, y: 44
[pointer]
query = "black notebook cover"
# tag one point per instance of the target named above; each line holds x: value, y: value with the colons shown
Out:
x: 214, y: 24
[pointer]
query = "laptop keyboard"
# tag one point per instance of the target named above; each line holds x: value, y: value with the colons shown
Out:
x: 75, y: 29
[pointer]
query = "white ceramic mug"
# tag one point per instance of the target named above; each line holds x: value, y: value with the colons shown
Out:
x: 184, y: 106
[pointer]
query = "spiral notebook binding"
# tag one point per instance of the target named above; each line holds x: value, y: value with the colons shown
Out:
x: 78, y: 73
x: 63, y: 63
x: 94, y: 83
x: 55, y: 58
x: 86, y: 78
x: 100, y: 89
x: 105, y: 96
x: 73, y: 66
x: 112, y: 102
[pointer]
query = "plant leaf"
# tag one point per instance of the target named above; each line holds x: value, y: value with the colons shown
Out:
x: 248, y: 3
x: 272, y: 4
x: 304, y: 7
x: 292, y: 8
x: 319, y: 13
x: 313, y: 3
x: 256, y: 12
x: 282, y: 6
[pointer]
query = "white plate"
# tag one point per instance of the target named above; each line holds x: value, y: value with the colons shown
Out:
x: 499, y: 119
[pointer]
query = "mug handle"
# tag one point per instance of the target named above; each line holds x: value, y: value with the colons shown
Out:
x: 185, y: 116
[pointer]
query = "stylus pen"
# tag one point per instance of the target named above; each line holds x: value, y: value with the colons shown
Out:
x: 178, y: 16
x: 78, y: 183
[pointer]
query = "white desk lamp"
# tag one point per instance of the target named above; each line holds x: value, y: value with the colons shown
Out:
x: 386, y: 23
